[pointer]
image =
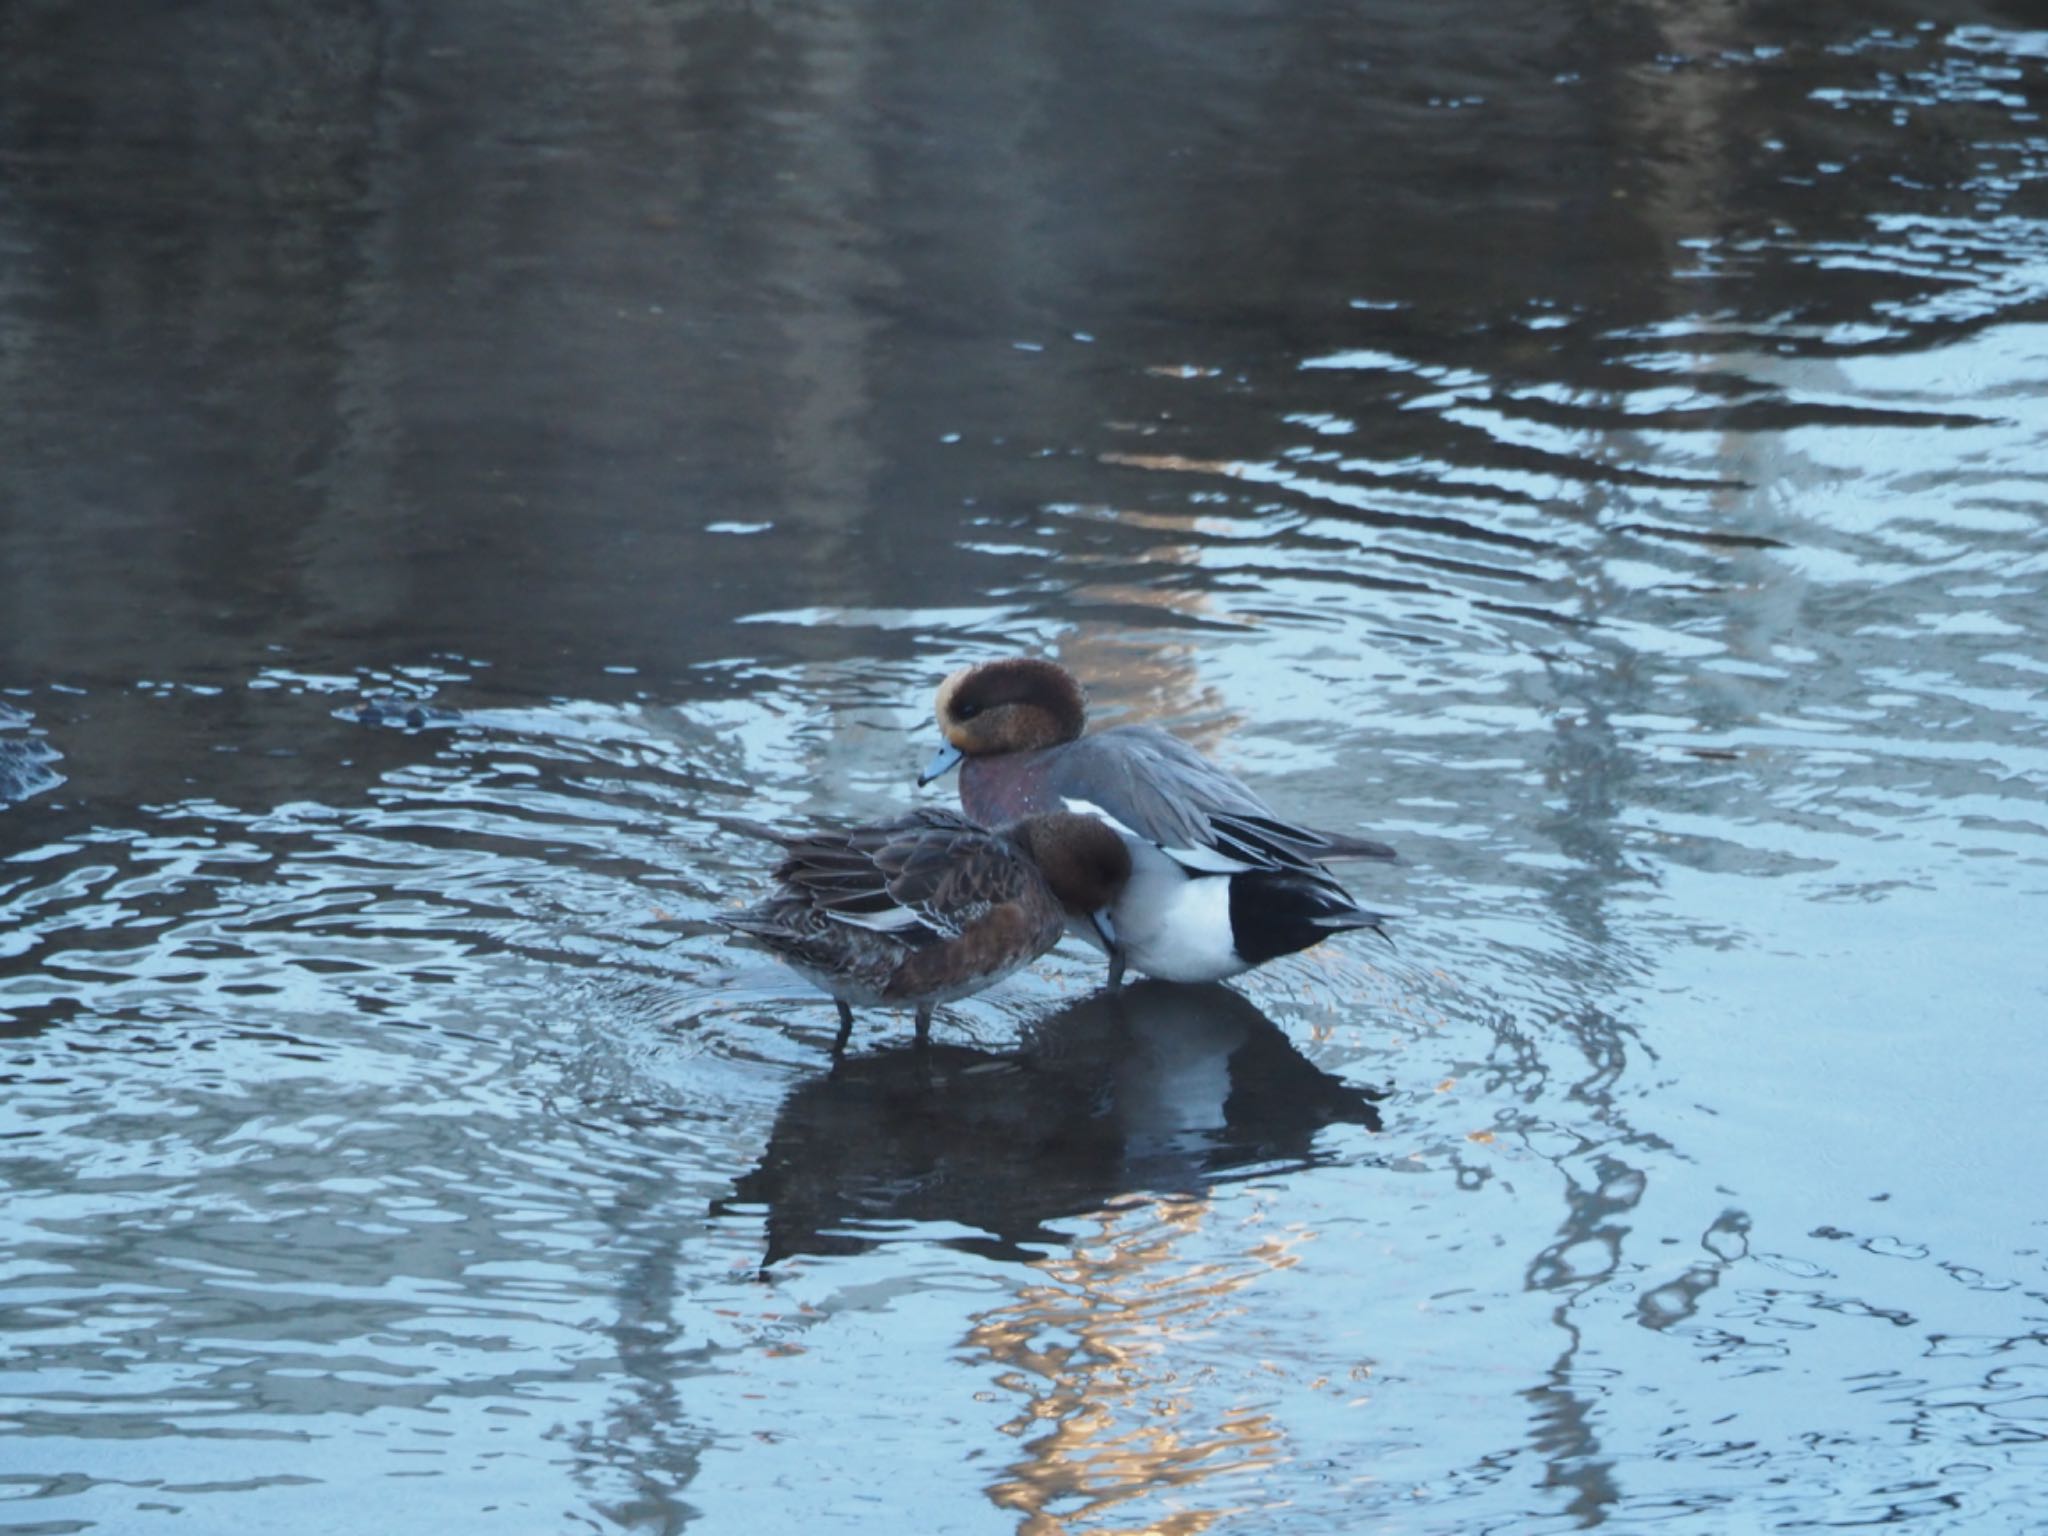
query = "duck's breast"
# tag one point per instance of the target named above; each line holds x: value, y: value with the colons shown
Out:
x: 1010, y: 786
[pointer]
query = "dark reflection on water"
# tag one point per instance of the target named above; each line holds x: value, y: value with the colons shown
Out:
x: 1155, y: 1087
x: 448, y: 459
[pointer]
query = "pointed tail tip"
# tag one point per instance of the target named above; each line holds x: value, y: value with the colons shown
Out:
x: 1342, y: 847
x: 1357, y: 918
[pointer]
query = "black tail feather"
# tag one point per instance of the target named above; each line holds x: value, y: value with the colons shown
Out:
x: 1276, y: 913
x: 1264, y: 838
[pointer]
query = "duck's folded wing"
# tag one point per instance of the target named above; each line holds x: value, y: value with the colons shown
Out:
x: 1159, y: 788
x: 1286, y: 843
x: 917, y: 878
x: 955, y: 879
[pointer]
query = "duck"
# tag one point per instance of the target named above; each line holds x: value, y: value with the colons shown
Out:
x: 1219, y: 883
x: 930, y: 906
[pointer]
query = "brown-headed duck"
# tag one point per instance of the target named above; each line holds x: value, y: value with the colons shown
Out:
x: 1219, y: 883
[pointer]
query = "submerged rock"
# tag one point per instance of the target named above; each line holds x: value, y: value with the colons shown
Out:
x: 404, y: 714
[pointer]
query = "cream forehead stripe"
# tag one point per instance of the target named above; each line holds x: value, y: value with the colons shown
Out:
x: 954, y: 731
x: 943, y: 701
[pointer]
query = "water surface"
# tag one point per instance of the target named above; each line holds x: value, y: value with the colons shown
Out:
x: 451, y: 461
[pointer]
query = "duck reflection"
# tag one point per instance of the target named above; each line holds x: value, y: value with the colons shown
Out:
x: 1160, y: 1086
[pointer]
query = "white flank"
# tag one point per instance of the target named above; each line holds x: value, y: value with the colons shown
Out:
x: 1172, y: 924
x: 1175, y: 926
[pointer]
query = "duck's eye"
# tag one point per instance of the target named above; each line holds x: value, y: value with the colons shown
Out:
x: 966, y: 709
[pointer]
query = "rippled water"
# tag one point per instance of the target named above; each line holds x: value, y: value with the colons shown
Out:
x: 449, y: 463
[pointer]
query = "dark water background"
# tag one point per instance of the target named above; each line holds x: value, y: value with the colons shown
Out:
x: 1600, y: 447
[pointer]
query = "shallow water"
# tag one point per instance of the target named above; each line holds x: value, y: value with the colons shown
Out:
x: 451, y: 461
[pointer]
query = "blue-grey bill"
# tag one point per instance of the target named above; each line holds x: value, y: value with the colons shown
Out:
x: 941, y: 764
x: 1104, y: 928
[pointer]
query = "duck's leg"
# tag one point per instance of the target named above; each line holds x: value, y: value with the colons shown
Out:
x: 924, y: 1025
x: 845, y: 1028
x: 1116, y: 967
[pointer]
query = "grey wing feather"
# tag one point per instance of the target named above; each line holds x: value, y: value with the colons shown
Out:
x: 1154, y: 783
x: 1168, y: 793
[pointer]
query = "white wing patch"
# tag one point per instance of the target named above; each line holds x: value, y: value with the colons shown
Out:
x: 1090, y: 808
x: 1207, y: 861
x: 1202, y: 861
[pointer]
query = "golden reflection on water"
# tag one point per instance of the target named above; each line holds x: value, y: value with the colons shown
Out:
x: 1111, y: 1410
x: 1154, y: 681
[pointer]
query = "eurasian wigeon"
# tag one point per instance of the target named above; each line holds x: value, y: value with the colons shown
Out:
x: 1219, y: 883
x: 931, y: 907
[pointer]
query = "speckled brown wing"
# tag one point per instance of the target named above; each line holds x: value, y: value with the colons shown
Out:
x: 921, y: 878
x: 954, y: 878
x: 790, y: 926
